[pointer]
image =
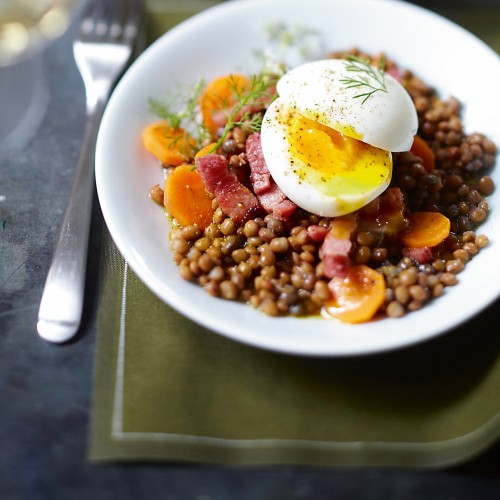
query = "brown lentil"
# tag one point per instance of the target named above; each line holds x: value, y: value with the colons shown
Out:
x: 274, y: 224
x: 279, y: 245
x: 212, y: 288
x: 239, y: 255
x: 401, y: 294
x: 219, y: 215
x: 437, y: 289
x: 481, y: 241
x: 266, y: 234
x: 363, y: 255
x: 395, y: 309
x: 228, y: 290
x: 414, y: 305
x: 485, y: 185
x: 156, y: 194
x: 470, y: 248
x: 185, y: 272
x: 180, y: 245
x: 194, y: 268
x: 239, y: 135
x: 227, y: 227
x: 448, y: 279
x: 408, y: 276
x: 477, y: 215
x: 214, y: 253
x: 190, y: 232
x: 461, y: 254
x: 217, y: 273
x: 269, y: 307
x: 205, y: 263
x: 202, y: 244
x: 417, y: 292
x: 454, y: 266
x: 468, y: 236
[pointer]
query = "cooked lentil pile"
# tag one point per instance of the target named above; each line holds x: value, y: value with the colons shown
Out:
x: 275, y: 266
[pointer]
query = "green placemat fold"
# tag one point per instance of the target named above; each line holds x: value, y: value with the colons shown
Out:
x: 168, y: 389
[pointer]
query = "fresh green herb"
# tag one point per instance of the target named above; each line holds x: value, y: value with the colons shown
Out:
x: 162, y: 110
x: 179, y: 105
x: 180, y: 110
x: 296, y: 36
x: 367, y: 76
x: 297, y: 41
x: 245, y: 113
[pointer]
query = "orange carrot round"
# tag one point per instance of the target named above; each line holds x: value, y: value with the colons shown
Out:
x: 342, y: 227
x: 186, y: 199
x: 171, y: 146
x: 421, y: 149
x: 426, y: 229
x: 220, y: 94
x: 357, y: 297
x: 205, y: 150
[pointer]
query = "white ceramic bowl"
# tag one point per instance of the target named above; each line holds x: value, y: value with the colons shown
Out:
x: 222, y: 39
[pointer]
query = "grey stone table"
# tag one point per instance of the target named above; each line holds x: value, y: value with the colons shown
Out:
x: 45, y: 390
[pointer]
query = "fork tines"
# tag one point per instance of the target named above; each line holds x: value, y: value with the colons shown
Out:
x: 111, y: 18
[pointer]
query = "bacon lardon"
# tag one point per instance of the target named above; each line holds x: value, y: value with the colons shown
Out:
x: 334, y: 254
x: 419, y: 255
x: 259, y: 173
x: 236, y: 201
x: 334, y: 251
x: 270, y: 196
x: 317, y: 233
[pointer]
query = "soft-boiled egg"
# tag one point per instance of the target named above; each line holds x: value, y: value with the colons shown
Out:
x: 327, y: 143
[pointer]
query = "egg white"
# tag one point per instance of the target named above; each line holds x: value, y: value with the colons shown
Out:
x: 387, y: 119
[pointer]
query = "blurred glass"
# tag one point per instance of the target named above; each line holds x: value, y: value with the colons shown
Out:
x: 26, y: 27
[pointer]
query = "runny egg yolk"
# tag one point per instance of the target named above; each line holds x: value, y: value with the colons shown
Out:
x: 335, y: 163
x: 327, y: 150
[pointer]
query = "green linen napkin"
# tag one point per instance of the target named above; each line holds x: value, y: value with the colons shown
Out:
x: 168, y: 389
x: 165, y: 14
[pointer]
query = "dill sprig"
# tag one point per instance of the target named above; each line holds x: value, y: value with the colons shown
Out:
x: 162, y: 110
x: 245, y: 112
x: 180, y: 109
x: 179, y: 105
x: 367, y: 76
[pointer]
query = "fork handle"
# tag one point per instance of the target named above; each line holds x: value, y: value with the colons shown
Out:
x: 61, y: 306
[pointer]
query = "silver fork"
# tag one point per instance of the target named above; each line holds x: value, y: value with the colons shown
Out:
x: 102, y: 49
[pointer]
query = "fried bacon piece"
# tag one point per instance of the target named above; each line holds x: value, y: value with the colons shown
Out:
x: 236, y: 201
x: 270, y: 196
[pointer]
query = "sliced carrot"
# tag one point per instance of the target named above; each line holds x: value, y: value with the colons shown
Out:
x: 342, y: 227
x: 357, y: 297
x: 171, y: 146
x: 426, y: 229
x: 421, y: 149
x: 219, y: 95
x: 186, y: 199
x: 204, y: 151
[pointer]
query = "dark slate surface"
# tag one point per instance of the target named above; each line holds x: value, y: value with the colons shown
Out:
x: 45, y: 390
